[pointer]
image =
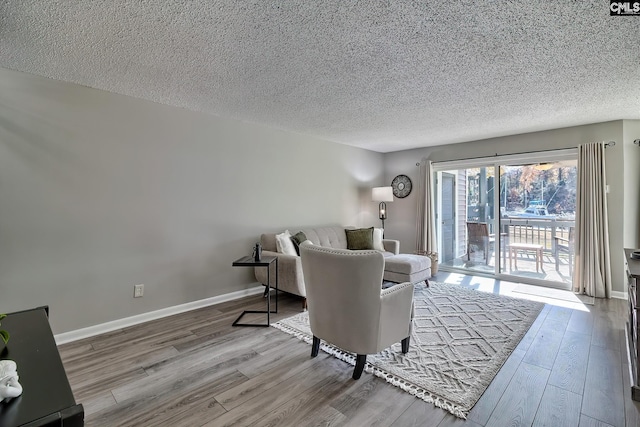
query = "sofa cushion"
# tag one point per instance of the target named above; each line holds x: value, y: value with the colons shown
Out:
x: 359, y: 239
x: 406, y: 263
x: 284, y: 243
x: 328, y: 237
x: 298, y: 238
x: 268, y: 241
x: 377, y: 240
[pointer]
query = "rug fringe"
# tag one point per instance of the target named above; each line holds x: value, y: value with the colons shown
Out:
x: 402, y: 384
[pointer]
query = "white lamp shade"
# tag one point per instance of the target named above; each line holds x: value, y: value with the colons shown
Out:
x: 382, y: 194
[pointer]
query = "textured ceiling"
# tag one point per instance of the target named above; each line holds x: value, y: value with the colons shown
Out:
x: 382, y: 75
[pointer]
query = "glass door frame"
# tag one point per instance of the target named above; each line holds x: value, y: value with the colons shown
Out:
x: 495, y: 162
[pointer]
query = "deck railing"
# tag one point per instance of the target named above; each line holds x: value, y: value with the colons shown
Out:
x: 536, y: 231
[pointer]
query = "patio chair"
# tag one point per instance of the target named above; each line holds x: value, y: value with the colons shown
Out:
x: 479, y: 239
x: 564, y: 246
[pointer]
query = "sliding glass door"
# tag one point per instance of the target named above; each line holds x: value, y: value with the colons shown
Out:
x: 537, y: 214
x: 511, y: 218
x: 465, y: 218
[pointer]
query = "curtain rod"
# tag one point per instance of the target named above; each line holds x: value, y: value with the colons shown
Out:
x: 606, y: 145
x: 513, y: 154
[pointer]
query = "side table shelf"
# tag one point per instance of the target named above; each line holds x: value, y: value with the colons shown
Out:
x: 265, y: 261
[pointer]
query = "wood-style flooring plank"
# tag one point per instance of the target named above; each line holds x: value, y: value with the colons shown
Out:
x: 274, y: 357
x: 266, y: 403
x: 603, y: 397
x: 68, y: 347
x: 586, y: 421
x: 262, y: 383
x: 197, y: 414
x: 452, y: 421
x: 116, y: 355
x: 558, y: 408
x: 528, y: 338
x: 605, y: 331
x: 222, y: 335
x: 485, y: 406
x: 381, y: 408
x: 560, y: 314
x: 114, y: 366
x: 296, y: 411
x: 195, y: 370
x: 420, y: 415
x: 520, y: 401
x: 581, y: 322
x: 570, y: 368
x: 160, y: 407
x: 544, y: 348
x: 98, y: 403
x: 326, y: 416
x: 74, y: 350
x: 90, y: 388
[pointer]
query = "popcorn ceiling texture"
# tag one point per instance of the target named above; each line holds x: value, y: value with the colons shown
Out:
x: 380, y: 75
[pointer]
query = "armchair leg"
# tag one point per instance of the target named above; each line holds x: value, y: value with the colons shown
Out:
x: 266, y: 291
x: 361, y: 359
x: 304, y: 304
x: 405, y: 344
x: 315, y: 346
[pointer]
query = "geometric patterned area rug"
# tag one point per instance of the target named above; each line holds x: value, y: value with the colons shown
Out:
x: 460, y: 339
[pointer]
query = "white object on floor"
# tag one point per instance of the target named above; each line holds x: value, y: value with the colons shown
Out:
x: 9, y: 385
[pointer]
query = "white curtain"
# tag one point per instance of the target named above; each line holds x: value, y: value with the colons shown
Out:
x: 592, y: 274
x: 425, y: 218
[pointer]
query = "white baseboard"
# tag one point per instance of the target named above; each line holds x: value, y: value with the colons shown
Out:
x: 619, y: 295
x: 67, y: 337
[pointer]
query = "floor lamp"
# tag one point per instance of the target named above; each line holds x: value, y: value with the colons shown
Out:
x: 382, y: 195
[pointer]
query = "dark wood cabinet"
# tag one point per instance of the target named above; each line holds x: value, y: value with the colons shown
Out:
x: 47, y: 399
x: 633, y: 280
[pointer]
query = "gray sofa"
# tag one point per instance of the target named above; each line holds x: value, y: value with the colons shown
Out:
x: 398, y: 267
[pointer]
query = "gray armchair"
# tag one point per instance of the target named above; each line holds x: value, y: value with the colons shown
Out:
x: 347, y: 306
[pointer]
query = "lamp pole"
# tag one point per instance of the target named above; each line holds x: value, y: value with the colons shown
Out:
x: 382, y: 213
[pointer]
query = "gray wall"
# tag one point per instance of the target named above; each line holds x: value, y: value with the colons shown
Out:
x: 623, y: 173
x: 631, y: 132
x: 100, y: 192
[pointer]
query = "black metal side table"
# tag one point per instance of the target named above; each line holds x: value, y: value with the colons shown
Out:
x: 265, y: 261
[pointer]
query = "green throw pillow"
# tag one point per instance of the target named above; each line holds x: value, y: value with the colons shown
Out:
x: 298, y: 238
x: 359, y: 239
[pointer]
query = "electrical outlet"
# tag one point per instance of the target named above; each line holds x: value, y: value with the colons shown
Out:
x: 138, y: 291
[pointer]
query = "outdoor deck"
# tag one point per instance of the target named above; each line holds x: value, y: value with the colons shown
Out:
x: 515, y: 232
x: 526, y: 266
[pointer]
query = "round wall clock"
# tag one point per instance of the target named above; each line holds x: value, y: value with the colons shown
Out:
x: 401, y: 185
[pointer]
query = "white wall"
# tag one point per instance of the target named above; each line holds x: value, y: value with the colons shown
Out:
x: 623, y: 173
x: 100, y: 192
x: 631, y: 132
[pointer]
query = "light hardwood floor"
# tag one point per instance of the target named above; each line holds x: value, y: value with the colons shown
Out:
x: 195, y: 369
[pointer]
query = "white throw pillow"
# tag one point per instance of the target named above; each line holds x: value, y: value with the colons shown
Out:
x: 284, y: 245
x: 377, y: 239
